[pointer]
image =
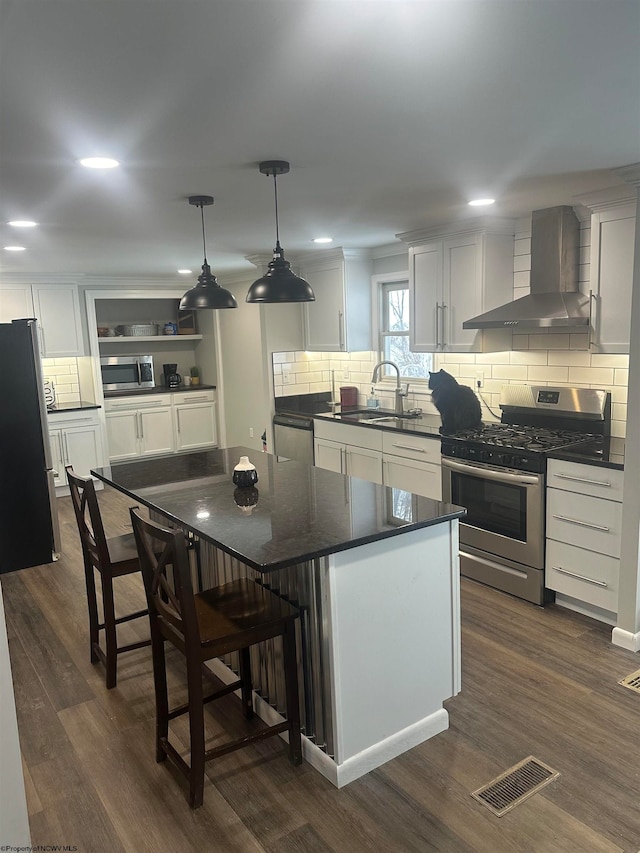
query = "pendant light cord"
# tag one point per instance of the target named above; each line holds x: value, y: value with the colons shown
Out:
x: 204, y: 240
x: 275, y: 193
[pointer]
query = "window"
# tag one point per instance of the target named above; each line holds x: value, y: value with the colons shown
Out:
x: 394, y: 334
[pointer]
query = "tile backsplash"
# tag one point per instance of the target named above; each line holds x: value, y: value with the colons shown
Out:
x: 63, y: 372
x: 307, y: 372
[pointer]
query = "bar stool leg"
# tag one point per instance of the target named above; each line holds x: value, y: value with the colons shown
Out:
x: 291, y: 688
x: 196, y: 733
x: 246, y: 689
x: 162, y: 695
x: 111, y: 644
x: 92, y: 603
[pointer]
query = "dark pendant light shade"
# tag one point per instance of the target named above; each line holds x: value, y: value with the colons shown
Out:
x: 207, y: 293
x: 279, y: 283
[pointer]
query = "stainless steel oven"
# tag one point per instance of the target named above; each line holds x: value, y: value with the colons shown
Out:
x: 497, y: 472
x: 502, y: 535
x: 126, y: 372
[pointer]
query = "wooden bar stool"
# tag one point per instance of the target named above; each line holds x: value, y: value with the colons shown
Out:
x: 205, y: 625
x: 112, y: 558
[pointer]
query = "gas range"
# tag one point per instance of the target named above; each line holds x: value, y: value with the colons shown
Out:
x: 535, y: 422
x: 498, y: 474
x: 523, y: 448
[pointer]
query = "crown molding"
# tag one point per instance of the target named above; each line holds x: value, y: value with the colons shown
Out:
x: 607, y: 198
x: 322, y: 256
x: 485, y: 224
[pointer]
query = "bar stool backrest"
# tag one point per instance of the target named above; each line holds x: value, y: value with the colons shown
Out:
x: 171, y: 606
x: 90, y: 526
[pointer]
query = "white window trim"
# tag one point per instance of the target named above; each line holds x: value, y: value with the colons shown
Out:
x: 402, y: 277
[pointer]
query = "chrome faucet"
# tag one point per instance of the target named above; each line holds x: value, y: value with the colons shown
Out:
x: 400, y: 390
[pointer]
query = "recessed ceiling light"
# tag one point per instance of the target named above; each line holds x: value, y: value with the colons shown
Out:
x: 482, y: 202
x: 22, y: 223
x: 323, y: 240
x: 14, y: 248
x: 99, y: 163
x: 185, y: 272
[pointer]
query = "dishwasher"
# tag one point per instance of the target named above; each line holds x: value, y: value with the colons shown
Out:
x: 293, y: 437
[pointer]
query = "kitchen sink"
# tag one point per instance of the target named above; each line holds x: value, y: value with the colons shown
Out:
x: 377, y: 415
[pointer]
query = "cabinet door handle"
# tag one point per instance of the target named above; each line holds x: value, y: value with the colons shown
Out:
x: 408, y: 447
x: 61, y: 450
x: 141, y: 425
x: 178, y: 420
x: 66, y: 449
x: 579, y: 577
x: 437, y: 325
x: 444, y: 342
x: 582, y: 523
x: 201, y: 399
x: 562, y: 476
x: 341, y: 343
x: 137, y: 428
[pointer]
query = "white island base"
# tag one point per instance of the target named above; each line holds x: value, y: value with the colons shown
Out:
x: 390, y: 612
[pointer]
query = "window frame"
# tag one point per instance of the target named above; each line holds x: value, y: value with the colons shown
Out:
x: 382, y: 284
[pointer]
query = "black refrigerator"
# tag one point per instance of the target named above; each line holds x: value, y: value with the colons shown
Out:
x: 29, y: 533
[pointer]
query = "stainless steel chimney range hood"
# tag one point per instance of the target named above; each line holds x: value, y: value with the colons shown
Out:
x: 555, y: 300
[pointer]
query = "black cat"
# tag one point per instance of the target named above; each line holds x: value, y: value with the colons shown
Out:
x: 458, y: 406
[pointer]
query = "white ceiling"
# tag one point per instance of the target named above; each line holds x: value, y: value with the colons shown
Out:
x: 393, y: 114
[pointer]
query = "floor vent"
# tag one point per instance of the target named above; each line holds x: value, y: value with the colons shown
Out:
x: 515, y: 785
x: 632, y: 681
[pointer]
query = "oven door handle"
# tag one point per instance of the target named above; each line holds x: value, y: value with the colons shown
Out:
x: 489, y: 474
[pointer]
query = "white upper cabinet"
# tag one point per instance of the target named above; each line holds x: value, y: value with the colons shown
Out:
x: 340, y: 318
x: 611, y: 267
x: 16, y: 302
x: 453, y: 278
x: 57, y: 309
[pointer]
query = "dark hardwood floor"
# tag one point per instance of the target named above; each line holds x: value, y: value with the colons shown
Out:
x: 535, y: 681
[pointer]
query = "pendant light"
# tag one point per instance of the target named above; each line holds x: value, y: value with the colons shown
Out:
x: 279, y: 283
x: 207, y: 293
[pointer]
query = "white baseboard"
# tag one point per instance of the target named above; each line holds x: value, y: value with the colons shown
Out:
x: 356, y: 766
x: 625, y: 639
x: 590, y: 610
x: 392, y: 747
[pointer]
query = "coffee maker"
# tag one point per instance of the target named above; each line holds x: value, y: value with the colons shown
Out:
x: 172, y: 378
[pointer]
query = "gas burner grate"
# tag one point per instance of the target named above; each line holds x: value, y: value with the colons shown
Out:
x: 531, y: 439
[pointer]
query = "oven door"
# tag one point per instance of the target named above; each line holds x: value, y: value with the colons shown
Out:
x: 504, y: 510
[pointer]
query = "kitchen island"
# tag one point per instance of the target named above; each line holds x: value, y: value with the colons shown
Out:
x: 374, y: 571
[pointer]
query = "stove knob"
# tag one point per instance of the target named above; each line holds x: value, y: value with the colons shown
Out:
x: 506, y: 459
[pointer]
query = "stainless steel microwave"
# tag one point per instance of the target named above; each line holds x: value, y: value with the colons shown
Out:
x: 126, y: 372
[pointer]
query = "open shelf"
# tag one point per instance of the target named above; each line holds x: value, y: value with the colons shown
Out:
x: 126, y: 339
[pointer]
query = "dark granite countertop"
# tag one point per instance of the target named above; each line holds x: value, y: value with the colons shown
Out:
x: 427, y: 425
x: 608, y: 456
x: 72, y: 407
x: 302, y: 512
x: 158, y: 389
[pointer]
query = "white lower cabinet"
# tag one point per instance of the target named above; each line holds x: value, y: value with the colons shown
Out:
x: 194, y: 420
x: 159, y: 424
x: 393, y: 458
x: 75, y: 439
x: 584, y: 518
x: 139, y: 427
x: 412, y: 463
x: 348, y: 459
